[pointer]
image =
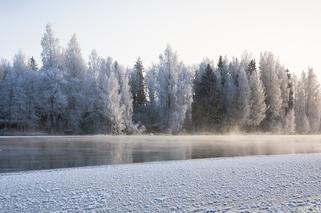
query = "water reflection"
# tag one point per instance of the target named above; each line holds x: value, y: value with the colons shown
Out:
x: 33, y: 153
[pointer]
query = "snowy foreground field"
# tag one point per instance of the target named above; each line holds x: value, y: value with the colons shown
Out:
x: 257, y: 183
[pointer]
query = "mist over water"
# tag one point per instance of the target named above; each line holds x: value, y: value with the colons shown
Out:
x: 35, y: 153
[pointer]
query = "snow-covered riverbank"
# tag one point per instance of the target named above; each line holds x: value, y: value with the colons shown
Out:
x: 257, y: 183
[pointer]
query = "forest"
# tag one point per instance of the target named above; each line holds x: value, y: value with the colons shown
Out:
x: 66, y: 95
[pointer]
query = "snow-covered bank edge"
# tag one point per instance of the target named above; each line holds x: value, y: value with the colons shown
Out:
x: 254, y: 183
x: 134, y: 164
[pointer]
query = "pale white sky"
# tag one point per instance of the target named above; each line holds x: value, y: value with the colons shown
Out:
x: 126, y: 29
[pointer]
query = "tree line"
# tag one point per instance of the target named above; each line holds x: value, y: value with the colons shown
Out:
x: 67, y: 96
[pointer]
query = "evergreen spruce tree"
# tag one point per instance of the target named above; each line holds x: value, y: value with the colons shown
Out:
x: 137, y: 83
x: 207, y: 96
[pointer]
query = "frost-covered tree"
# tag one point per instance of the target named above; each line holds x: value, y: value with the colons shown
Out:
x: 289, y: 123
x: 94, y: 64
x: 74, y: 62
x: 167, y: 71
x: 171, y: 111
x: 74, y: 71
x: 114, y: 108
x: 273, y: 100
x: 229, y: 96
x: 32, y: 94
x: 284, y: 88
x: 126, y: 98
x: 113, y: 103
x: 302, y: 122
x: 4, y: 69
x: 138, y: 85
x: 288, y: 103
x: 185, y: 98
x: 206, y: 108
x: 104, y: 71
x: 138, y: 92
x: 251, y: 68
x: 242, y: 99
x: 21, y: 95
x: 91, y: 118
x: 313, y: 101
x: 5, y: 92
x: 12, y: 96
x: 32, y: 64
x: 53, y: 103
x: 7, y: 96
x: 151, y: 112
x: 51, y: 50
x: 257, y: 97
x: 291, y: 88
x: 222, y: 68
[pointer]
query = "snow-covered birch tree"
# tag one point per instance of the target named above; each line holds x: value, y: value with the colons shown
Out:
x: 273, y: 98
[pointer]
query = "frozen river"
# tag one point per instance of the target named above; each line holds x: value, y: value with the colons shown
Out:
x: 35, y: 153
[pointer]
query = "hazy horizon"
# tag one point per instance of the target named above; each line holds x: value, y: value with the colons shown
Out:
x: 126, y: 29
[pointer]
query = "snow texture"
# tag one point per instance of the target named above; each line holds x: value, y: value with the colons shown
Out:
x: 280, y: 183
